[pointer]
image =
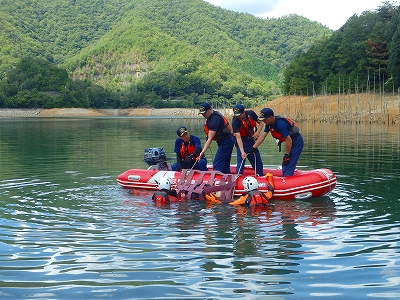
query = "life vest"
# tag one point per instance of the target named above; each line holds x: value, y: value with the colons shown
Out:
x: 248, y: 127
x: 188, y: 149
x: 246, y: 199
x: 221, y: 133
x: 256, y: 198
x: 163, y: 197
x: 294, y: 129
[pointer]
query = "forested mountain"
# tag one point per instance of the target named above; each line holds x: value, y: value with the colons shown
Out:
x: 138, y: 52
x: 362, y: 56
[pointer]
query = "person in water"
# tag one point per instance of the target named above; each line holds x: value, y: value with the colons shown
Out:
x: 187, y: 149
x: 217, y: 128
x: 285, y: 131
x: 165, y: 194
x: 254, y: 197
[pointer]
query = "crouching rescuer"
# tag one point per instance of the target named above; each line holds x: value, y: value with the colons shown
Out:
x: 253, y: 197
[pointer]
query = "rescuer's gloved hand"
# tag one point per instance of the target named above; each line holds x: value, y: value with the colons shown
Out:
x: 252, y: 149
x: 286, y: 159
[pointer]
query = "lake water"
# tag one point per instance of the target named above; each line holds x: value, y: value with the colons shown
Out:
x: 68, y: 231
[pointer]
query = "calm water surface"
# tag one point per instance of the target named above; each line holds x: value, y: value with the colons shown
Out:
x: 68, y: 231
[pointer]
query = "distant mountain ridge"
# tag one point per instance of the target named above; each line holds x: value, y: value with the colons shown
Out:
x: 58, y: 30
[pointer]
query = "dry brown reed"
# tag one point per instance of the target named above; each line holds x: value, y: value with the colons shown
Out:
x: 371, y: 107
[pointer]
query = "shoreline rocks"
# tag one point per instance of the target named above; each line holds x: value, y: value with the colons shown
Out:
x: 18, y: 112
x: 89, y: 112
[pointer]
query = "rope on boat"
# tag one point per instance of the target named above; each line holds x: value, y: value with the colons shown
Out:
x: 255, y: 164
x: 195, y: 162
x: 237, y: 174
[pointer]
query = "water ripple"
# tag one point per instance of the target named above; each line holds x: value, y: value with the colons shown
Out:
x: 69, y: 231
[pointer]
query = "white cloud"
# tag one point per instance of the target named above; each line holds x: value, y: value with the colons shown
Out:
x: 332, y: 14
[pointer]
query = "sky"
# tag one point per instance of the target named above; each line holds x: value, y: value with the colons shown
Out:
x: 332, y: 13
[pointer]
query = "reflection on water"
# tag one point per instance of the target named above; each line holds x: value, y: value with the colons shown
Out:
x: 68, y: 230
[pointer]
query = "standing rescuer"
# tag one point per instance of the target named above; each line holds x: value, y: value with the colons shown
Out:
x: 246, y: 130
x: 217, y: 128
x: 285, y: 131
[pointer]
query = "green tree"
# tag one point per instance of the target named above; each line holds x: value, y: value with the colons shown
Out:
x: 393, y: 34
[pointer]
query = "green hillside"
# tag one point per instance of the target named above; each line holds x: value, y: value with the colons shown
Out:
x: 362, y: 56
x: 54, y: 30
x: 140, y: 52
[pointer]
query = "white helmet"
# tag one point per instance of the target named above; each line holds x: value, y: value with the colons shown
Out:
x: 164, y: 184
x: 250, y: 184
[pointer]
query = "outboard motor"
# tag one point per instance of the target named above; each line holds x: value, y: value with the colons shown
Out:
x: 156, y: 157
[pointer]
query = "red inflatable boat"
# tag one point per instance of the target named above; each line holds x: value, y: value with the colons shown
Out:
x: 302, y: 185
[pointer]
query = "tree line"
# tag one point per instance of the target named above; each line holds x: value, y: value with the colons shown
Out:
x: 35, y: 82
x: 362, y: 56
